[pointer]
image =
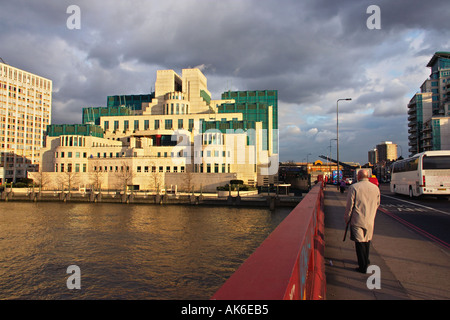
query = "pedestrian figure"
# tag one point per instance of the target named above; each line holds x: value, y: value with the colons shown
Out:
x: 342, y: 186
x: 363, y: 200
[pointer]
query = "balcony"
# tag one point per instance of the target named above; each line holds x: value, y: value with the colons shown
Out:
x: 412, y: 110
x: 428, y: 144
x: 175, y: 95
x: 412, y: 104
x: 426, y: 135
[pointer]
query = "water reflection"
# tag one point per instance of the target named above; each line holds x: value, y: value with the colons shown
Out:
x: 125, y: 251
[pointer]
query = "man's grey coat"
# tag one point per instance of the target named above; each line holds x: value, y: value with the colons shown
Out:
x: 363, y: 200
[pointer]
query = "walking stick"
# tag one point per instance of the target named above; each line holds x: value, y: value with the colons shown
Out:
x: 346, y: 228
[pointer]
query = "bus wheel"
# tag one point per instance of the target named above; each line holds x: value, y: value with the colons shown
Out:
x: 411, y: 193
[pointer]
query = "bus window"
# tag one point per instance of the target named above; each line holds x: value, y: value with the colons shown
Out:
x: 413, y: 164
x: 436, y: 162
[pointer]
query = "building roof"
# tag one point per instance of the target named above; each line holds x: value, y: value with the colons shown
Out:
x: 439, y: 54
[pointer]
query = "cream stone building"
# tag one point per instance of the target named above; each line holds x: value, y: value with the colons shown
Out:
x: 387, y: 151
x: 25, y: 113
x: 179, y: 138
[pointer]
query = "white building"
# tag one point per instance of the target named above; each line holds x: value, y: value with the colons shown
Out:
x: 180, y: 138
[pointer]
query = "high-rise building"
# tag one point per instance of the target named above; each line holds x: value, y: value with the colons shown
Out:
x: 436, y: 134
x: 429, y: 111
x: 419, y: 111
x: 25, y: 113
x: 177, y: 135
x: 440, y: 77
x: 386, y: 151
x: 373, y: 156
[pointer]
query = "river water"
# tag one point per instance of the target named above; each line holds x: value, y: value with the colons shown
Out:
x: 125, y: 251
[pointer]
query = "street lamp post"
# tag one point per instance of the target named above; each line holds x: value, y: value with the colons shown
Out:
x: 307, y: 169
x: 329, y: 169
x: 337, y: 135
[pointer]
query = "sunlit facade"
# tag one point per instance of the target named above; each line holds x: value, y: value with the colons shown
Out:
x: 386, y: 151
x: 25, y: 113
x: 177, y: 136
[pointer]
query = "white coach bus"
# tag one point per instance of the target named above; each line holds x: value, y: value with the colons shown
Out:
x: 426, y: 173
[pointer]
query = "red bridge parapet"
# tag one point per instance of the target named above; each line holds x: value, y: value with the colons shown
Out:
x: 289, y: 264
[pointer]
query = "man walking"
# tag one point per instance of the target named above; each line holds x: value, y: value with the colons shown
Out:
x: 363, y: 200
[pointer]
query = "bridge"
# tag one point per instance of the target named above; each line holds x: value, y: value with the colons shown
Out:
x: 348, y: 169
x: 343, y: 164
x: 305, y: 258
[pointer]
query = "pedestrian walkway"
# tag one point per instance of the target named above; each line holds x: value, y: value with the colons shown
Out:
x: 410, y: 266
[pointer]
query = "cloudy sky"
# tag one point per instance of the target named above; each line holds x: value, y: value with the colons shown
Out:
x: 312, y: 51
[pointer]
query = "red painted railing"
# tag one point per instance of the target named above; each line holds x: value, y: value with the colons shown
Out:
x: 289, y: 264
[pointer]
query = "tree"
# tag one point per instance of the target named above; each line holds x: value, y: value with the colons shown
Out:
x: 70, y: 178
x: 40, y: 178
x: 96, y: 176
x: 124, y: 176
x: 188, y: 179
x: 156, y: 178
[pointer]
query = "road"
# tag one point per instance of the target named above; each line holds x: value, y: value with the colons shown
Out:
x: 427, y: 216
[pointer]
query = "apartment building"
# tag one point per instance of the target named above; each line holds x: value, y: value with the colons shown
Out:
x: 372, y: 156
x: 386, y: 151
x: 176, y: 136
x: 429, y: 111
x: 25, y: 113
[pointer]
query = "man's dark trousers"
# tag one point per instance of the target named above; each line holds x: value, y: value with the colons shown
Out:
x: 362, y: 253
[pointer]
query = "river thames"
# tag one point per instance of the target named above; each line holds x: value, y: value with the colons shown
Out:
x: 125, y: 251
